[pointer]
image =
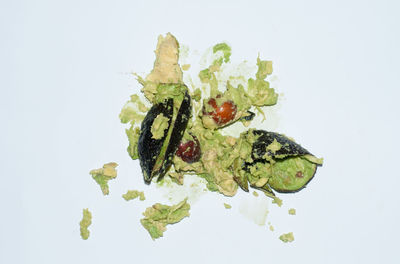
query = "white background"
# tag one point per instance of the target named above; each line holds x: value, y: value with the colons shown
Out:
x: 65, y: 73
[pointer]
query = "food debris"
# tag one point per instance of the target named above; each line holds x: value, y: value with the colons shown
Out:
x: 181, y: 117
x: 157, y: 217
x: 227, y: 206
x: 133, y: 194
x: 85, y: 223
x: 277, y: 201
x: 287, y: 237
x: 185, y: 67
x: 103, y: 175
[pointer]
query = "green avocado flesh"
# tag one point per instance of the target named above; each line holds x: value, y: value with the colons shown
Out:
x: 259, y: 159
x: 224, y: 95
x: 287, y: 175
x: 158, y: 216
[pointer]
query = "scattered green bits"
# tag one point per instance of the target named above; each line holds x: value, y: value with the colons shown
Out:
x: 157, y: 217
x: 287, y: 237
x: 103, y: 175
x: 133, y: 194
x: 292, y: 211
x: 255, y: 193
x: 227, y: 206
x: 85, y: 223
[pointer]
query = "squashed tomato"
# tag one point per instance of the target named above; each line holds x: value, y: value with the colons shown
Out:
x: 189, y: 151
x: 222, y: 114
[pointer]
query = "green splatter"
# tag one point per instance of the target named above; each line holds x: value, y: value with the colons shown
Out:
x: 133, y: 194
x: 85, y: 223
x: 287, y: 237
x: 157, y: 217
x: 103, y: 175
x: 227, y: 206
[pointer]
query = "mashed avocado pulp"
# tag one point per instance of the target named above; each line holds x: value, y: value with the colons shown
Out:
x: 287, y: 237
x: 227, y: 162
x: 85, y: 223
x: 103, y: 175
x: 157, y: 217
x: 133, y: 194
x: 159, y: 126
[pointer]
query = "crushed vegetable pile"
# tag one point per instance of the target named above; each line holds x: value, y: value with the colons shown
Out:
x: 178, y: 129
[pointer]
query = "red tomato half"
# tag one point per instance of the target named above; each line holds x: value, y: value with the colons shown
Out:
x: 224, y: 113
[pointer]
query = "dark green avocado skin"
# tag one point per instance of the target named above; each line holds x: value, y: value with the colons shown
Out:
x: 180, y: 125
x: 289, y: 147
x: 148, y: 147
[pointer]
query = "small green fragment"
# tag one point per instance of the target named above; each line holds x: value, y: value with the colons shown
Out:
x: 292, y: 211
x: 271, y: 228
x: 287, y: 237
x: 274, y: 146
x: 185, y: 67
x: 264, y: 69
x: 205, y: 76
x: 129, y: 112
x: 133, y: 194
x: 85, y: 223
x: 160, y: 124
x: 133, y: 138
x: 255, y: 193
x: 103, y: 175
x: 157, y: 217
x: 227, y: 206
x: 226, y: 50
x: 196, y: 95
x: 277, y: 201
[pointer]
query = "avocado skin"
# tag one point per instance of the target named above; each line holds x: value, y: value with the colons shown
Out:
x: 179, y: 128
x: 148, y: 147
x: 248, y: 117
x: 289, y: 149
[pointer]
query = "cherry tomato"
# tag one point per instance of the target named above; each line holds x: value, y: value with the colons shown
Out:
x: 224, y: 113
x: 189, y: 151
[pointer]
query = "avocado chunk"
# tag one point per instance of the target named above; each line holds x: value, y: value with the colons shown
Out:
x: 279, y: 163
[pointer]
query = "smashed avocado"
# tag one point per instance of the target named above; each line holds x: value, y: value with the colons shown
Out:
x: 103, y: 175
x: 287, y: 237
x: 133, y: 194
x: 227, y: 206
x: 201, y: 109
x: 85, y: 223
x: 157, y: 217
x: 160, y: 124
